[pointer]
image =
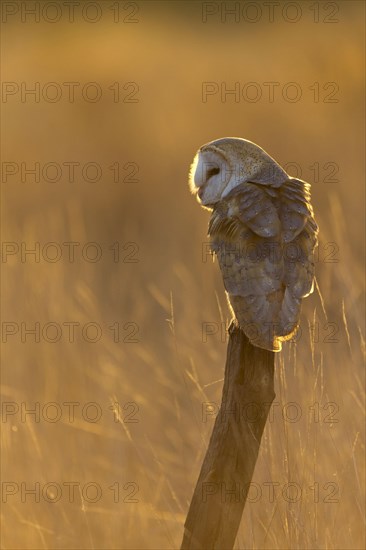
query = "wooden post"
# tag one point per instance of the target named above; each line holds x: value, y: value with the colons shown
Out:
x: 218, y: 501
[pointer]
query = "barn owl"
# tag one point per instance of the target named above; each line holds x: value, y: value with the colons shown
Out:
x: 263, y: 232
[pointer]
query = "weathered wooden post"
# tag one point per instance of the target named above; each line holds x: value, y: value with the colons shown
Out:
x: 218, y: 501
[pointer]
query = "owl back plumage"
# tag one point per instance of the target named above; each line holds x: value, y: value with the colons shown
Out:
x: 264, y: 238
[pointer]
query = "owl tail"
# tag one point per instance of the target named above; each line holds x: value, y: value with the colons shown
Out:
x: 257, y: 317
x: 289, y: 316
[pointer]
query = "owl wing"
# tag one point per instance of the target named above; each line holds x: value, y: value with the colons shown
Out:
x: 299, y: 236
x: 256, y: 209
x: 295, y: 208
x: 264, y: 240
x: 245, y: 234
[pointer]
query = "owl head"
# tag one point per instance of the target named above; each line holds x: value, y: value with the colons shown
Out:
x: 222, y: 165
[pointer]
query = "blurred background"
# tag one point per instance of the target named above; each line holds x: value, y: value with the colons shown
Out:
x: 130, y: 343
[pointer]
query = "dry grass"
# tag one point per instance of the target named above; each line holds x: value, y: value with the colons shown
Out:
x: 170, y: 291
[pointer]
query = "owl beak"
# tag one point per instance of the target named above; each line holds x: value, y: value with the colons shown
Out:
x: 200, y: 192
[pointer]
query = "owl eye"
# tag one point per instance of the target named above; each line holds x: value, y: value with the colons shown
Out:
x: 212, y: 172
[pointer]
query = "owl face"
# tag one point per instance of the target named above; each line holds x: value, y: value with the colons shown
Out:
x: 222, y: 165
x: 210, y: 174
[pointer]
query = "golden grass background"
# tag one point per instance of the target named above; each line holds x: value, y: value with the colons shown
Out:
x: 170, y: 291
